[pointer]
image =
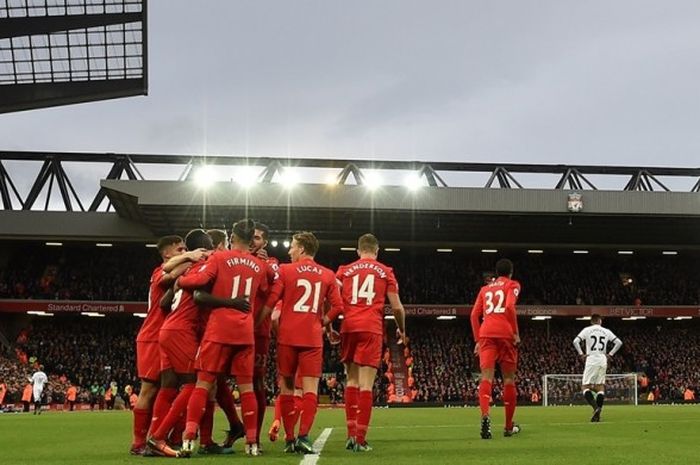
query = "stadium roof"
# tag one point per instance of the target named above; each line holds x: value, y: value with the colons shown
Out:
x: 433, y: 213
x: 71, y: 51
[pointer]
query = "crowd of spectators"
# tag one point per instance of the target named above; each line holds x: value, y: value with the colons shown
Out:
x: 96, y: 354
x: 664, y: 352
x: 120, y: 273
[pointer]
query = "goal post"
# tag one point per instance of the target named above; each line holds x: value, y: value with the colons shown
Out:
x: 565, y: 389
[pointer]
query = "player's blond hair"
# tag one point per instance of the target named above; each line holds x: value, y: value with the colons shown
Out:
x: 368, y: 243
x: 308, y: 241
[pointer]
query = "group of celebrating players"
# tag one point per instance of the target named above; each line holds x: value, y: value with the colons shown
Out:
x: 212, y: 308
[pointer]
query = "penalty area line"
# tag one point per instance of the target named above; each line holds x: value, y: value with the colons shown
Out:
x: 311, y: 459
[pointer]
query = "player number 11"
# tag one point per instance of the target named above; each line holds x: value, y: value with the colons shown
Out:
x: 237, y: 284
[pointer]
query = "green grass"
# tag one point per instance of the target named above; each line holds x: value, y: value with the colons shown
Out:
x: 554, y: 435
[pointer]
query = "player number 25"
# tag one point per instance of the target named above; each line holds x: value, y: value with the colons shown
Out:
x: 302, y: 304
x: 365, y: 291
x: 498, y: 307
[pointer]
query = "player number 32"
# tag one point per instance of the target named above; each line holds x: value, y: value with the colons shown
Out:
x: 496, y: 307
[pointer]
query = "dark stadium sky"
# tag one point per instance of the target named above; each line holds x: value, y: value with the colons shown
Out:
x: 595, y: 82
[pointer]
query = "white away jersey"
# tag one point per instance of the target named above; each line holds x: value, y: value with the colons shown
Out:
x: 39, y: 379
x: 596, y: 339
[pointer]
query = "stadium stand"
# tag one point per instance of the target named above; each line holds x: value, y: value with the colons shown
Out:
x: 93, y: 352
x: 65, y: 273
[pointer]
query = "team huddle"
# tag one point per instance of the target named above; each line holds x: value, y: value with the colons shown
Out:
x: 212, y: 308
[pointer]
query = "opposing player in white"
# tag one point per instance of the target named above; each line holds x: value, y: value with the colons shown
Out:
x: 38, y: 380
x: 596, y: 340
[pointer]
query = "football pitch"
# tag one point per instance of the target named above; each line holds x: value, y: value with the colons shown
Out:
x: 551, y: 435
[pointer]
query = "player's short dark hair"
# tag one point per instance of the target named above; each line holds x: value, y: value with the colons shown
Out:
x: 264, y: 228
x: 244, y: 230
x: 368, y: 243
x: 166, y: 241
x: 218, y: 236
x: 308, y: 241
x: 198, y: 239
x: 596, y: 318
x: 504, y: 267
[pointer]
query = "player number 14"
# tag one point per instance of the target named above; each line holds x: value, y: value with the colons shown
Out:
x: 365, y: 291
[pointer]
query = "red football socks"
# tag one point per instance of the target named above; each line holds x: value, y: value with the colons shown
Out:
x: 510, y: 399
x: 207, y: 424
x: 224, y: 397
x: 364, y: 413
x: 195, y: 410
x: 177, y: 411
x: 485, y: 396
x: 351, y: 399
x: 142, y: 419
x: 249, y: 412
x: 308, y: 414
x: 288, y: 415
x: 298, y: 407
x: 261, y: 399
x: 278, y: 409
x: 161, y: 407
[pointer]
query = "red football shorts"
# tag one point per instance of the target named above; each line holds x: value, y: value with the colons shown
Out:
x: 498, y: 350
x: 148, y: 360
x: 178, y: 350
x: 362, y: 348
x: 299, y: 361
x: 262, y: 355
x: 236, y: 360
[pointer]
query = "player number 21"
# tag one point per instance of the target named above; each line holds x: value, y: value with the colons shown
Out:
x: 365, y: 291
x: 498, y: 307
x: 302, y: 304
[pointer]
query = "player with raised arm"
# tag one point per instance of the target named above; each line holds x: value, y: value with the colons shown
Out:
x: 175, y: 257
x: 365, y: 283
x: 228, y: 342
x: 38, y: 380
x: 596, y: 340
x: 304, y: 287
x: 497, y: 340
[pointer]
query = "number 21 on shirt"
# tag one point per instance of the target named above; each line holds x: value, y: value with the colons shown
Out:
x: 302, y: 305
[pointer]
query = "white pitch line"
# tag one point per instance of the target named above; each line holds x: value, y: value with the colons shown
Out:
x: 320, y: 441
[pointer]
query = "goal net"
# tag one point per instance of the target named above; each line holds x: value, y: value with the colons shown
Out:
x: 560, y: 389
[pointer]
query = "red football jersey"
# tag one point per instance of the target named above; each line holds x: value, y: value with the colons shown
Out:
x: 233, y: 274
x: 365, y: 284
x: 496, y: 303
x: 261, y: 298
x: 184, y: 312
x: 304, y: 288
x: 155, y: 317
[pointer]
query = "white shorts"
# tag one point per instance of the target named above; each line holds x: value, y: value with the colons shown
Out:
x: 594, y: 374
x: 37, y: 394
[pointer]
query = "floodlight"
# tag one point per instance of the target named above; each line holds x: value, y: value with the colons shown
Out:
x: 204, y: 177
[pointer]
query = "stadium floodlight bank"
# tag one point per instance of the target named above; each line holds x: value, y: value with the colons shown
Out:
x: 565, y: 389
